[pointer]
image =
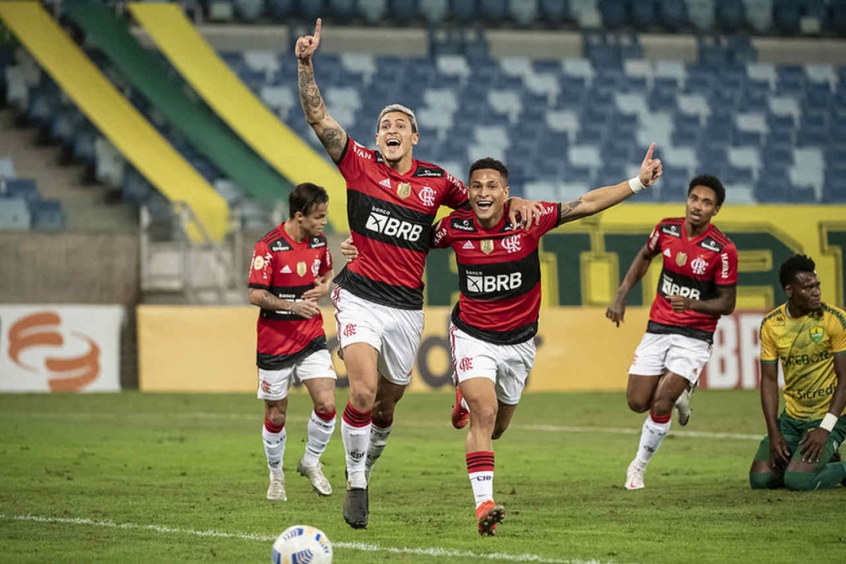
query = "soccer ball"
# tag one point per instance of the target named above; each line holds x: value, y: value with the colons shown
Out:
x: 302, y: 544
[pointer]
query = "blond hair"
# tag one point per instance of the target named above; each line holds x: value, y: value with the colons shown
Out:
x: 398, y: 108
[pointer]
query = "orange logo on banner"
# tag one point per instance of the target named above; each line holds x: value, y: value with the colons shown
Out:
x: 41, y: 330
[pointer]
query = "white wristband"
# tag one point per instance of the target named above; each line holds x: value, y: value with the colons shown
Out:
x: 828, y: 422
x: 636, y: 185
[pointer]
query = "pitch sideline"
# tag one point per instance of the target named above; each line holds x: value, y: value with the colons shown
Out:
x: 365, y: 547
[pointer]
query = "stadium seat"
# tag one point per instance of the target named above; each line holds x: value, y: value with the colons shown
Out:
x: 312, y: 9
x: 493, y: 11
x: 554, y: 12
x: 402, y: 11
x: 434, y: 12
x: 14, y: 214
x: 523, y: 12
x: 701, y: 14
x: 47, y: 215
x: 372, y: 11
x: 672, y: 14
x: 787, y: 14
x: 343, y: 9
x: 644, y: 13
x: 249, y: 10
x: 220, y: 10
x: 7, y: 168
x: 615, y: 13
x: 759, y: 14
x: 730, y: 14
x: 464, y: 11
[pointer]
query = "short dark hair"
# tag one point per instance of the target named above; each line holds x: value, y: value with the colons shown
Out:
x: 490, y: 163
x: 304, y: 197
x: 711, y: 182
x: 794, y: 265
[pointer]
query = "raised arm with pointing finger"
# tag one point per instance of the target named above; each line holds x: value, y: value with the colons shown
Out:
x: 330, y: 133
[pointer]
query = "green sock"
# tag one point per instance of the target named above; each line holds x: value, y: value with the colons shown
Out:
x: 830, y: 475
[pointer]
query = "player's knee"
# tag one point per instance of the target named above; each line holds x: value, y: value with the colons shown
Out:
x: 324, y: 405
x: 383, y: 410
x: 638, y: 405
x: 483, y: 416
x: 763, y: 480
x: 276, y: 417
x: 363, y: 396
x: 800, y: 481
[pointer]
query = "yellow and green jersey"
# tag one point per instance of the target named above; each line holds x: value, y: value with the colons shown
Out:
x: 806, y: 347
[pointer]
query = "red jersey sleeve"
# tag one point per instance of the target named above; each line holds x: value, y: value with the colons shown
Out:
x: 549, y: 217
x: 727, y: 274
x: 653, y: 245
x: 261, y: 267
x: 325, y: 261
x: 456, y: 192
x: 440, y: 234
x: 353, y: 159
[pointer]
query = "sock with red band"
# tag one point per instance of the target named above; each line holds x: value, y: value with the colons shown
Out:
x: 320, y: 429
x: 480, y: 468
x: 655, y: 428
x: 355, y: 432
x: 273, y: 437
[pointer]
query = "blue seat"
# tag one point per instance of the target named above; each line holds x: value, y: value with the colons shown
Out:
x: 249, y: 10
x: 811, y: 137
x: 787, y: 14
x: 373, y: 11
x: 403, y: 11
x: 47, y: 215
x: 741, y: 50
x: 731, y: 14
x: 644, y: 13
x: 494, y: 11
x: 464, y: 11
x: 803, y: 195
x: 554, y: 12
x: 341, y: 9
x: 673, y: 190
x: 773, y: 189
x: 741, y: 138
x: 834, y: 190
x: 672, y: 14
x: 662, y: 100
x: 615, y: 13
x: 777, y: 155
x: 523, y: 12
x: 23, y: 188
x: 312, y: 9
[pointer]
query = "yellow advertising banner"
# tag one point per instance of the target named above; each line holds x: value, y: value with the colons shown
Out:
x: 213, y: 349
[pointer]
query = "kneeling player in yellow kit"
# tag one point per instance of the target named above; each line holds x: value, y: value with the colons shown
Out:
x: 809, y: 337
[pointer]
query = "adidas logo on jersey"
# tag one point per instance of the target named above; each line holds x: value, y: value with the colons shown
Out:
x: 386, y: 183
x: 286, y: 269
x: 667, y: 253
x: 468, y: 245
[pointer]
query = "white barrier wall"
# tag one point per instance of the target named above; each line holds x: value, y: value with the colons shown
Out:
x: 66, y: 348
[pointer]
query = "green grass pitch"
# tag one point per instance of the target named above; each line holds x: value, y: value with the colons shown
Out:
x: 175, y: 478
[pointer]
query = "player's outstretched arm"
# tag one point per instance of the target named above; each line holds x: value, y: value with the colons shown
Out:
x: 603, y: 198
x: 813, y: 443
x: 266, y: 300
x: 779, y: 453
x: 640, y: 265
x: 332, y: 135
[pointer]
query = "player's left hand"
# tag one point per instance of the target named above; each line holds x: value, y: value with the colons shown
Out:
x: 349, y: 250
x: 321, y: 288
x: 529, y: 212
x: 650, y: 169
x: 811, y: 445
x: 679, y: 303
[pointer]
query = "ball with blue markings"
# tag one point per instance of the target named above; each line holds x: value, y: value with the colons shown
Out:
x: 302, y: 544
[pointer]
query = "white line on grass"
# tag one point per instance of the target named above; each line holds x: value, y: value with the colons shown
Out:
x: 364, y: 547
x: 247, y: 417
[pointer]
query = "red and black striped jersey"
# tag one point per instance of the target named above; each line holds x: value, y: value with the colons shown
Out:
x: 498, y: 274
x: 287, y: 270
x: 692, y: 268
x: 390, y: 217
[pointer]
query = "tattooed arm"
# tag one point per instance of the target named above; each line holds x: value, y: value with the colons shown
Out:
x: 603, y: 198
x: 332, y: 135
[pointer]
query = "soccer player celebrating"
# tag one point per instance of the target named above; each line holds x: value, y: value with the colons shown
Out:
x: 494, y: 323
x: 290, y: 271
x: 392, y: 202
x: 809, y: 337
x: 697, y: 286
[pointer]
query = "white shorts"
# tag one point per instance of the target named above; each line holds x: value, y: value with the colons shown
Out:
x: 507, y: 366
x: 679, y: 354
x: 273, y: 384
x: 394, y: 332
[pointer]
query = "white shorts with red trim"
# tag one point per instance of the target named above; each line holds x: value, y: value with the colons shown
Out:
x: 507, y: 366
x: 678, y: 354
x: 394, y: 332
x: 273, y: 384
